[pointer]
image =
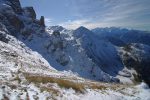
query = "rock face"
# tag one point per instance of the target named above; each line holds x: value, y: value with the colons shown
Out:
x: 16, y: 22
x: 137, y: 56
x: 29, y: 11
x: 56, y: 46
x: 3, y: 37
x: 15, y: 4
x: 17, y: 19
x: 9, y: 16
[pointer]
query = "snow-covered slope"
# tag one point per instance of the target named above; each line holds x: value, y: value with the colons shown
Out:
x: 64, y: 52
x: 24, y: 74
x: 101, y: 51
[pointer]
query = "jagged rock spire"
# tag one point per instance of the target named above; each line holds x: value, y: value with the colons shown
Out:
x: 42, y: 22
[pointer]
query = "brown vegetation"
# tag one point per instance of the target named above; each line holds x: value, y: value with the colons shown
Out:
x: 79, y: 87
x: 68, y: 83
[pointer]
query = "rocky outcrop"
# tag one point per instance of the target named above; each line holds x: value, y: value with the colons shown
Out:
x: 3, y: 33
x: 29, y: 12
x: 15, y: 21
x: 137, y: 56
x: 26, y: 33
x: 9, y: 16
x: 15, y: 4
x: 55, y: 46
x: 42, y: 22
x: 3, y: 37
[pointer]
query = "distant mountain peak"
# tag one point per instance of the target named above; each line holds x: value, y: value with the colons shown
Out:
x: 82, y: 28
x: 82, y: 31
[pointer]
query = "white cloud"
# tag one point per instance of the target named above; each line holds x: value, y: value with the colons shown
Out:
x: 84, y: 22
x: 74, y: 24
x: 106, y: 13
x: 48, y: 21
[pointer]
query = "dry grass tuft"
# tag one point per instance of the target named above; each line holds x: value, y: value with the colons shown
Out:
x: 98, y: 86
x: 79, y: 87
x: 66, y: 83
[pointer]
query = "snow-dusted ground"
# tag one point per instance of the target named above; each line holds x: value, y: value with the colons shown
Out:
x: 72, y: 52
x: 16, y: 59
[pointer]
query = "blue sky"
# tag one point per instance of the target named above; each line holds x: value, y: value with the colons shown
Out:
x: 93, y: 13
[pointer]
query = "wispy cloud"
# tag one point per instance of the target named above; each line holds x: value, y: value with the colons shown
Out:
x: 75, y: 23
x: 84, y: 22
x: 123, y: 13
x: 48, y: 21
x: 97, y: 13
